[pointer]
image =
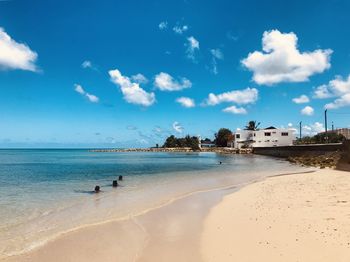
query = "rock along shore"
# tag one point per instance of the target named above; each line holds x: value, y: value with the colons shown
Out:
x: 220, y: 150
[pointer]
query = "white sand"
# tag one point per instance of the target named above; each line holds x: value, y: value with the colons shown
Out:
x: 302, y: 217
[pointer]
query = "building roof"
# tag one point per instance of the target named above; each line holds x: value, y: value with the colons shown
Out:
x: 270, y: 127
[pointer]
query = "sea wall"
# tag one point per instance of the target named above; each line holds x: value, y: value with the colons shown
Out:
x: 344, y: 162
x: 298, y: 150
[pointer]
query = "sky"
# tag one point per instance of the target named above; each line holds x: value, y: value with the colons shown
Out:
x: 130, y: 73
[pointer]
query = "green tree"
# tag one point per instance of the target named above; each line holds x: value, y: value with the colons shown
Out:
x: 222, y: 137
x: 171, y: 141
x: 329, y: 137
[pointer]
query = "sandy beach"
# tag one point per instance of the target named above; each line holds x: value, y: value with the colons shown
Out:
x: 301, y: 217
x: 294, y: 217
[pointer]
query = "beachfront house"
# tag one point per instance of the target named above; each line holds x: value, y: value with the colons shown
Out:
x: 267, y: 137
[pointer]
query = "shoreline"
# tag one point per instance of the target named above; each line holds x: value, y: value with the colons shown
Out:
x: 219, y: 150
x: 222, y: 191
x: 296, y: 217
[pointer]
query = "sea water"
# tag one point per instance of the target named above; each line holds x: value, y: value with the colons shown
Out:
x: 45, y: 192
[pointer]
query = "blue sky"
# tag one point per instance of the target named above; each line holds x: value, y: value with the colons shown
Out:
x: 129, y: 73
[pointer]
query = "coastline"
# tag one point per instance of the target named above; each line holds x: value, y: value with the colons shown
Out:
x: 146, y: 230
x: 202, y: 229
x: 301, y: 217
x: 136, y: 237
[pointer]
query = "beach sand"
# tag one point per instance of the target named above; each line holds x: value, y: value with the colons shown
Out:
x: 168, y: 233
x: 296, y: 217
x: 301, y: 217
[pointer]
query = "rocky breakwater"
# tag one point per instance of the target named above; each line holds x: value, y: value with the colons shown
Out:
x: 329, y: 159
x: 219, y: 150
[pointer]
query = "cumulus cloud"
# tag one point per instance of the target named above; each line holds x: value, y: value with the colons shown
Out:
x: 192, y: 47
x: 186, y: 102
x: 301, y: 99
x: 132, y: 92
x: 15, y: 55
x: 92, y: 98
x: 313, y: 129
x: 342, y: 101
x: 307, y: 110
x: 180, y: 29
x: 338, y: 88
x: 281, y: 61
x: 163, y: 25
x: 322, y: 92
x: 166, y: 82
x: 216, y: 55
x: 235, y: 110
x: 177, y: 127
x: 139, y: 78
x: 245, y: 96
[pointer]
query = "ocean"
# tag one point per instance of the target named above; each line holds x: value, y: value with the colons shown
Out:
x: 46, y: 192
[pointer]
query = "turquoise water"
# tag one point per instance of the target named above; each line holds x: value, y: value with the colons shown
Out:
x: 46, y: 192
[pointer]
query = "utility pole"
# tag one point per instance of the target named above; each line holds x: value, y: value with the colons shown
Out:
x: 325, y: 125
x: 332, y: 127
x: 300, y: 130
x: 325, y: 120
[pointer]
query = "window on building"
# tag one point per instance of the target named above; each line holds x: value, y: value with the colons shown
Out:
x: 284, y: 133
x: 254, y: 134
x: 238, y: 135
x: 267, y: 133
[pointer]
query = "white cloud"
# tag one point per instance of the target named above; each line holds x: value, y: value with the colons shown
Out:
x: 290, y: 125
x: 79, y: 89
x: 216, y: 55
x: 281, y: 61
x: 322, y: 92
x: 132, y: 92
x: 92, y: 98
x: 186, y: 102
x: 166, y: 82
x: 180, y: 29
x: 339, y: 88
x: 301, y: 99
x: 235, y: 110
x: 307, y: 110
x: 342, y: 101
x: 245, y: 96
x: 163, y: 25
x: 335, y: 87
x: 15, y: 55
x: 313, y: 129
x: 177, y: 127
x: 192, y: 47
x: 139, y: 78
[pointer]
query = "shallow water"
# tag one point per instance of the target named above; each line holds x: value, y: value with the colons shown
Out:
x: 46, y: 192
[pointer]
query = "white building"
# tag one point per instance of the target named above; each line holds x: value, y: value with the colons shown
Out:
x: 267, y: 137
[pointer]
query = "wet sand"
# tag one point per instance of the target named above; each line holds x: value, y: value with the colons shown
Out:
x: 291, y: 217
x: 169, y: 233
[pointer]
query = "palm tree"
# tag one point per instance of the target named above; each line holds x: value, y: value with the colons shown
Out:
x: 252, y: 125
